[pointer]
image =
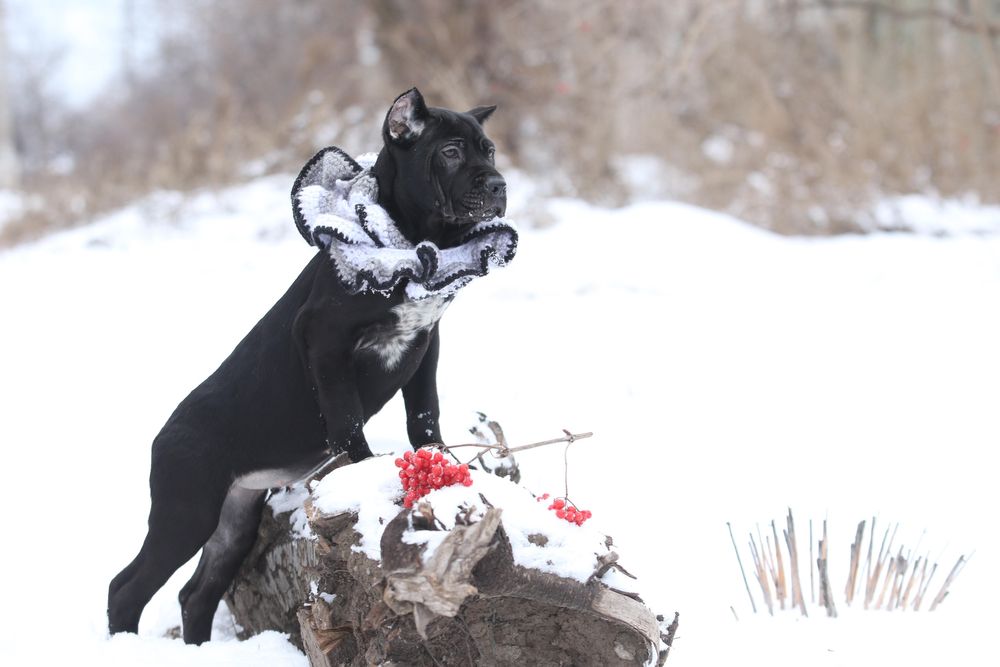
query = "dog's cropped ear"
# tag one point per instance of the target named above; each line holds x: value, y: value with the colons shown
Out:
x: 482, y: 113
x: 406, y: 118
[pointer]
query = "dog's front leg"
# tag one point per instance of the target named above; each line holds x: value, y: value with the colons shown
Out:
x: 337, y: 394
x: 421, y: 398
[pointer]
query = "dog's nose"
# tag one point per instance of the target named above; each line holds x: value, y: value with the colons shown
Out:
x: 496, y: 186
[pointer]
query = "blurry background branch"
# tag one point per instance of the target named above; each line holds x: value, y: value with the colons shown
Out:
x: 10, y: 169
x: 965, y: 21
x: 795, y: 116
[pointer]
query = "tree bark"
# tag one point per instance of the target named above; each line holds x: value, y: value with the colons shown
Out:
x: 469, y: 603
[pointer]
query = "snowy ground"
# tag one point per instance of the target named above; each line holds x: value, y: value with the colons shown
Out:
x: 726, y: 372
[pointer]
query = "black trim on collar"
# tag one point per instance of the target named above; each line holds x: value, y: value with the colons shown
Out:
x: 300, y: 223
x: 377, y: 256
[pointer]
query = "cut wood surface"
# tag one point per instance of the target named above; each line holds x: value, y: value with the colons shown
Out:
x: 467, y: 603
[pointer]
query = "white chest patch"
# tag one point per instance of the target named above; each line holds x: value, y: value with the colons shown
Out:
x: 391, y: 342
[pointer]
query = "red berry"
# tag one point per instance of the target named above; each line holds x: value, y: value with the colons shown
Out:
x: 559, y: 503
x: 425, y: 470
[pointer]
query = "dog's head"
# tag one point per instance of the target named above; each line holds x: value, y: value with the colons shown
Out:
x: 435, y: 172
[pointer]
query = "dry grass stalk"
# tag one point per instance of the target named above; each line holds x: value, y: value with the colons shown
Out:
x: 767, y: 557
x: 943, y: 593
x: 761, y: 575
x: 868, y: 559
x: 780, y: 586
x: 753, y: 605
x: 825, y: 594
x: 875, y: 575
x: 924, y: 584
x: 902, y: 565
x: 812, y: 570
x: 852, y: 575
x: 909, y: 585
x: 793, y: 558
x: 889, y: 573
x: 893, y: 580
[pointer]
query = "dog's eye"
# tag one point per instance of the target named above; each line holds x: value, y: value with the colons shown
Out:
x: 452, y: 153
x: 490, y: 152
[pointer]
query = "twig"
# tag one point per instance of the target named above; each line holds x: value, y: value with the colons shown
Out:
x: 605, y: 562
x: 943, y: 593
x: 738, y: 560
x: 566, y: 468
x: 504, y: 450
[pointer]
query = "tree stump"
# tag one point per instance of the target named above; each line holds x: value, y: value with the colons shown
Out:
x: 468, y: 603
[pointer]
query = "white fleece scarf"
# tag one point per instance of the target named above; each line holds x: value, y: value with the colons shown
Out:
x: 335, y: 204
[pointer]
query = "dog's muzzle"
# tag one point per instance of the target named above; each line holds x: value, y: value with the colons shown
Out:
x: 487, y: 199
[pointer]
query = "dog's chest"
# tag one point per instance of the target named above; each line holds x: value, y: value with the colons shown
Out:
x: 391, y: 339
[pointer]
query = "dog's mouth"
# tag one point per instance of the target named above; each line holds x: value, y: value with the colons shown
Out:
x: 480, y: 215
x: 478, y: 206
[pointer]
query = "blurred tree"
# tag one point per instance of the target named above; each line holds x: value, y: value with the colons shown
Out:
x: 10, y: 172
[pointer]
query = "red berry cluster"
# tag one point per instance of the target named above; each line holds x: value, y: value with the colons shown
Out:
x: 423, y: 471
x: 568, y: 512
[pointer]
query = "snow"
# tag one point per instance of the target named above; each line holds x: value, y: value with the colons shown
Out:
x: 929, y: 214
x: 291, y: 500
x: 727, y: 374
x: 367, y: 490
x: 372, y: 488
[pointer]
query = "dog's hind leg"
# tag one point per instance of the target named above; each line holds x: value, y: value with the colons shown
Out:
x: 220, y: 559
x: 187, y: 498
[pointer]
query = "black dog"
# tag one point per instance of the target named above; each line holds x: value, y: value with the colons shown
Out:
x: 302, y: 384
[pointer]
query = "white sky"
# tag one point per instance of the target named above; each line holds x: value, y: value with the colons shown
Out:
x: 87, y: 33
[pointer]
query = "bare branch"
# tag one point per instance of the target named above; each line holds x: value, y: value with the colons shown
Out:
x: 961, y: 21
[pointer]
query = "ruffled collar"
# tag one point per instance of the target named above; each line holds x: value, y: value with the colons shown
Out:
x: 335, y: 204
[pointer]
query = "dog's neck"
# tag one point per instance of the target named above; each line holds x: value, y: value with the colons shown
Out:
x: 408, y: 215
x: 414, y: 220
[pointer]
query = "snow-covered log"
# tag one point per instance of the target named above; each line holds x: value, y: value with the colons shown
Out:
x: 357, y: 580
